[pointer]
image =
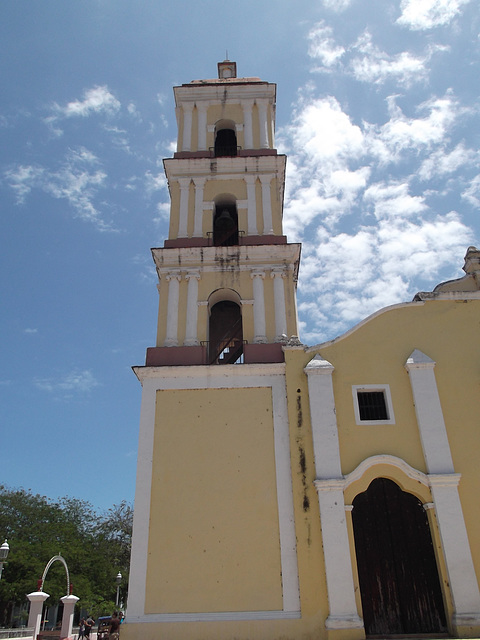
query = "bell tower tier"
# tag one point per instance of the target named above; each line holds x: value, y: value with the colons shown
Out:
x: 227, y: 277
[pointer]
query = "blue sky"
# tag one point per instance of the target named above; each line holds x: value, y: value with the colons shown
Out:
x: 377, y: 109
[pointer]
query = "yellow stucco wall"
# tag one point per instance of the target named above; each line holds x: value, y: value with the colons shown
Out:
x: 375, y: 353
x: 214, y: 533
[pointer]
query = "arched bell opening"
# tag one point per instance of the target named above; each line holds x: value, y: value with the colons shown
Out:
x: 225, y: 139
x: 225, y: 223
x: 225, y: 331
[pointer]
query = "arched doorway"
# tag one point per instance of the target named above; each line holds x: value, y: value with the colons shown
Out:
x: 397, y: 569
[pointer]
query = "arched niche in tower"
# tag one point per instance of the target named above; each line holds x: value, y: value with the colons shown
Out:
x: 225, y: 139
x: 225, y: 221
x: 225, y: 327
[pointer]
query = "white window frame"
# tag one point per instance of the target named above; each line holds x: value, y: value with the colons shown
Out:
x: 385, y: 389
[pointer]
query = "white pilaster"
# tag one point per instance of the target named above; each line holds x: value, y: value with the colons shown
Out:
x: 258, y: 306
x: 37, y: 598
x: 183, y: 213
x: 252, y: 205
x: 278, y: 276
x: 187, y: 126
x: 173, y: 278
x: 192, y: 278
x: 69, y: 603
x: 444, y: 486
x: 198, y: 221
x: 456, y: 549
x: 266, y: 205
x: 143, y: 489
x: 431, y: 424
x: 329, y: 484
x: 202, y: 126
x: 263, y: 123
x: 247, y: 106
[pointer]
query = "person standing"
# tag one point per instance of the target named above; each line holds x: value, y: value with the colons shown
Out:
x: 81, y: 629
x: 89, y: 622
x: 114, y: 629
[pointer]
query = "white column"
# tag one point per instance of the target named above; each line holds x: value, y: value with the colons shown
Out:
x: 263, y: 123
x: 192, y: 278
x: 279, y: 301
x: 329, y: 484
x: 247, y: 106
x: 67, y: 618
x: 37, y: 598
x: 198, y: 215
x: 266, y: 205
x: 456, y: 549
x: 187, y: 126
x: 444, y: 487
x: 258, y: 307
x: 183, y: 213
x: 431, y: 424
x: 143, y: 488
x: 202, y: 126
x: 173, y: 279
x: 251, y: 206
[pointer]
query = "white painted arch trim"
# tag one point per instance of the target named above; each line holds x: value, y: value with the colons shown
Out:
x: 392, y: 461
x: 428, y: 480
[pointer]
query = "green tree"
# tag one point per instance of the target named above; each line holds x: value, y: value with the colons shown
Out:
x: 95, y: 547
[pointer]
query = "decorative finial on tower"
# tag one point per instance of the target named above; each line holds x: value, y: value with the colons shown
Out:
x: 227, y: 69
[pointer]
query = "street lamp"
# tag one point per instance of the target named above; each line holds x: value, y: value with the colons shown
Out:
x: 4, y: 549
x: 118, y: 580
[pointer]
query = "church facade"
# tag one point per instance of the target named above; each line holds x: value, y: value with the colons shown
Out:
x: 286, y: 491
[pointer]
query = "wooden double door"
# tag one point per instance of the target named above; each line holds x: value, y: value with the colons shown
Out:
x: 397, y: 568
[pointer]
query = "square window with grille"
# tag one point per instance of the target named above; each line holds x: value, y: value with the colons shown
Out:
x: 372, y: 404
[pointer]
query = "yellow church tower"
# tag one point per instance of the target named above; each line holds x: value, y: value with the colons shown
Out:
x: 214, y: 539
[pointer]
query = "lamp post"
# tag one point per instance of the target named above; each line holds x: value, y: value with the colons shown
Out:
x: 118, y: 580
x: 4, y: 549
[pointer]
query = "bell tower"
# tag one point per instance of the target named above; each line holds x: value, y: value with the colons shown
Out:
x: 226, y: 273
x: 214, y: 538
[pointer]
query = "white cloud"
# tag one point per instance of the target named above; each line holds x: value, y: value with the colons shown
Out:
x: 322, y: 45
x: 98, y: 100
x: 22, y: 179
x: 441, y: 163
x: 355, y: 274
x: 77, y: 180
x: 393, y: 200
x: 404, y: 134
x: 420, y: 15
x: 95, y: 100
x: 370, y: 64
x: 365, y: 61
x: 472, y: 192
x: 75, y: 381
x: 336, y: 5
x: 155, y: 182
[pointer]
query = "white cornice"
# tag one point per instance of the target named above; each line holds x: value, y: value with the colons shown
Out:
x: 213, y: 376
x: 225, y: 168
x: 224, y: 92
x: 243, y: 257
